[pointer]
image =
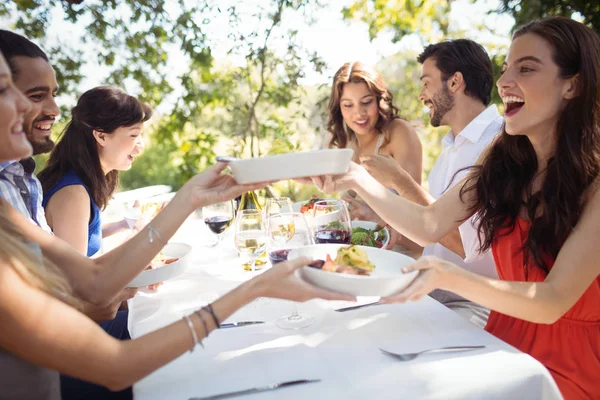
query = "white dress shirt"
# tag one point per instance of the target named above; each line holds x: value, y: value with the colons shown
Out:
x: 461, y: 152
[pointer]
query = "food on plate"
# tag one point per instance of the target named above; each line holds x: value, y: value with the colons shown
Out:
x: 152, y: 208
x: 368, y: 237
x: 349, y: 260
x: 161, y: 260
x: 309, y: 205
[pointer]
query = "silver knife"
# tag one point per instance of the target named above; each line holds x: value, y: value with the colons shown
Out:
x: 241, y: 323
x: 358, y: 306
x: 256, y: 389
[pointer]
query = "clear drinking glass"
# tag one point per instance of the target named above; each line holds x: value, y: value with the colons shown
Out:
x: 218, y: 217
x: 250, y: 236
x: 287, y: 231
x: 331, y: 222
x: 278, y: 205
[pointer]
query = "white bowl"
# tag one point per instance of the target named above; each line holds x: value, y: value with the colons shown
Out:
x: 168, y: 271
x: 291, y: 165
x: 386, y: 279
x: 372, y: 225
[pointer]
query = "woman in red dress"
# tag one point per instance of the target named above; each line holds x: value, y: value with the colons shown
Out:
x: 537, y: 200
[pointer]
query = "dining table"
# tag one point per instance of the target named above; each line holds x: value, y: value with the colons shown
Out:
x: 340, y: 349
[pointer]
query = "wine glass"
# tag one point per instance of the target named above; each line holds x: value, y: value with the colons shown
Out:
x: 331, y: 222
x: 132, y: 212
x: 277, y: 205
x: 218, y: 217
x: 287, y: 231
x: 250, y: 236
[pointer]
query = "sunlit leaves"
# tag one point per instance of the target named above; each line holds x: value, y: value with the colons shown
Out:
x: 525, y: 11
x: 426, y: 18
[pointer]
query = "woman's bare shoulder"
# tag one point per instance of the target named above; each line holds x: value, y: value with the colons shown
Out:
x: 402, y: 133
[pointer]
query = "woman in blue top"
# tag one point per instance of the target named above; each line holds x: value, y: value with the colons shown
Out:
x: 103, y: 137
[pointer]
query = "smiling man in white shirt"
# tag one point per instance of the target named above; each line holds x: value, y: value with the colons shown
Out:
x: 457, y: 82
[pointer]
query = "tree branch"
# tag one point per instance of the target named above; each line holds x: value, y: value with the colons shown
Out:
x: 262, y: 56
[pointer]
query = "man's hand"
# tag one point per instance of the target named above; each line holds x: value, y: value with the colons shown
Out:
x: 99, y: 314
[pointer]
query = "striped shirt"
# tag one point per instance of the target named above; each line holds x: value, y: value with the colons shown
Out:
x: 23, y: 190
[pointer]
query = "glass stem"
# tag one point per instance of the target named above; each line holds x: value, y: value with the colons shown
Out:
x: 295, y: 315
x: 253, y: 266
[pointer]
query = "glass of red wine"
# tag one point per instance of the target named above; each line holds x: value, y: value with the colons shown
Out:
x: 218, y: 217
x: 331, y: 222
x: 285, y: 232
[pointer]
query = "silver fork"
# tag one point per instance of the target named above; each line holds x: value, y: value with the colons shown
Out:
x: 412, y: 356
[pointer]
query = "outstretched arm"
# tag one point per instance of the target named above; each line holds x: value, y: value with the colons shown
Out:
x: 575, y: 269
x: 422, y: 224
x: 100, y: 279
x: 45, y: 331
x: 394, y: 176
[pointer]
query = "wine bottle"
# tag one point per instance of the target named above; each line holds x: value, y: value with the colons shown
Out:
x: 249, y: 201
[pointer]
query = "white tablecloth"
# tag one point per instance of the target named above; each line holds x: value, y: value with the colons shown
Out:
x: 341, y: 349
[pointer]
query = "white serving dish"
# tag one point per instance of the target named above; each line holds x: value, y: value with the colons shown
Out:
x: 168, y: 271
x: 386, y: 279
x: 372, y: 225
x: 291, y: 165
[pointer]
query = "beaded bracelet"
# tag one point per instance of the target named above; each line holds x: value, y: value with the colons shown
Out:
x: 194, y: 334
x: 212, y: 312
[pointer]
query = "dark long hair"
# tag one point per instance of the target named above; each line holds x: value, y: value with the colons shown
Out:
x: 102, y: 109
x: 506, y: 176
x: 358, y: 72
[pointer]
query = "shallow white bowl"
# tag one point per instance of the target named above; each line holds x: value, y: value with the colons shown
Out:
x: 372, y: 225
x: 386, y: 279
x: 161, y: 274
x: 291, y: 165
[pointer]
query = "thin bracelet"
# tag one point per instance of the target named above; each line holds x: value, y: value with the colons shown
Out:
x: 152, y: 233
x: 194, y: 334
x: 212, y: 312
x: 206, y: 333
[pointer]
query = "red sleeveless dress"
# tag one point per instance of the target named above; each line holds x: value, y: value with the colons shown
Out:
x: 569, y: 348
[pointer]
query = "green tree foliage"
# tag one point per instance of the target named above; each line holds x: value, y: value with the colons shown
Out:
x: 525, y: 11
x: 232, y: 109
x: 426, y: 18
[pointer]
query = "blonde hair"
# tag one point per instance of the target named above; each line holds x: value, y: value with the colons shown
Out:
x: 33, y: 268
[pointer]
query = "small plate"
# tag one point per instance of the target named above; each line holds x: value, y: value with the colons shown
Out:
x: 168, y: 271
x: 372, y: 225
x: 291, y: 165
x: 386, y: 279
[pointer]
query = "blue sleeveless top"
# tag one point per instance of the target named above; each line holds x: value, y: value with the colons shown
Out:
x: 94, y: 227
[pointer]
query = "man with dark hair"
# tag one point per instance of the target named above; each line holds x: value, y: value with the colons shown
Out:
x: 456, y: 81
x: 34, y: 76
